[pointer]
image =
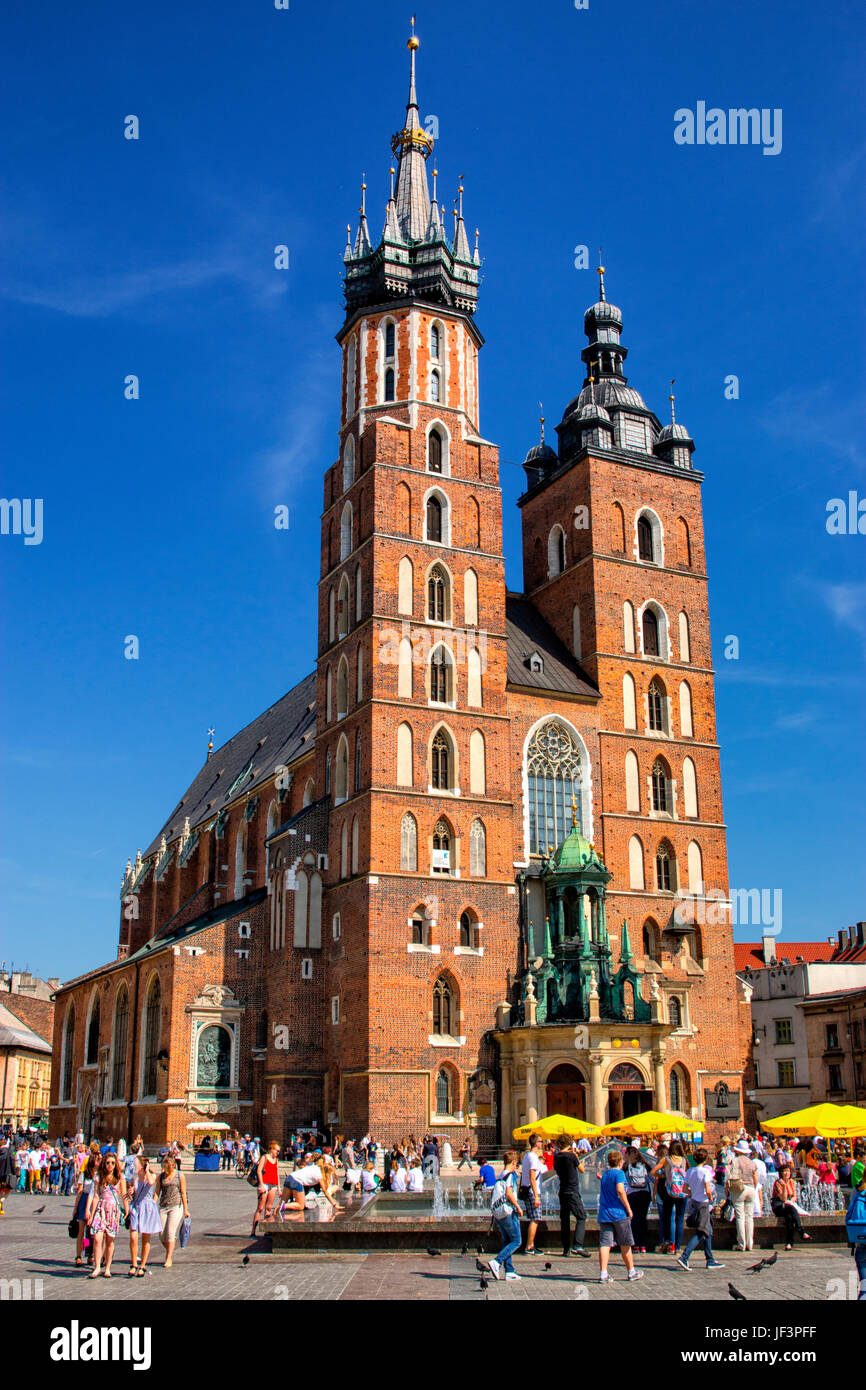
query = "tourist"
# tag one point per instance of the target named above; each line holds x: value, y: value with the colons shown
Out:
x: 398, y: 1178
x: 170, y: 1194
x: 228, y: 1149
x: 760, y: 1178
x: 486, y: 1174
x: 430, y: 1156
x: 785, y: 1206
x: 267, y: 1185
x: 34, y: 1171
x: 465, y: 1155
x: 828, y: 1173
x: 740, y: 1187
x: 702, y: 1193
x: 86, y: 1180
x: 54, y: 1169
x: 657, y: 1178
x: 369, y: 1179
x: 637, y: 1187
x: 855, y: 1225
x: 310, y: 1177
x: 505, y: 1210
x: 584, y: 1146
x: 674, y: 1195
x: 105, y: 1208
x: 529, y: 1191
x: 415, y: 1177
x: 614, y: 1219
x: 568, y: 1168
x: 142, y: 1215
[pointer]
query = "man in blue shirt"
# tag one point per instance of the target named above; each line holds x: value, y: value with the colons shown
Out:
x: 486, y: 1175
x: 614, y: 1219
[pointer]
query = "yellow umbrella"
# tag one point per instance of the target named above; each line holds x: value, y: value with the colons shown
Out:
x: 653, y: 1122
x: 827, y: 1120
x: 554, y: 1125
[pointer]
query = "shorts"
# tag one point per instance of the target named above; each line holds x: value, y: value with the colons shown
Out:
x: 531, y: 1207
x: 615, y: 1233
x: 271, y: 1186
x: 292, y: 1184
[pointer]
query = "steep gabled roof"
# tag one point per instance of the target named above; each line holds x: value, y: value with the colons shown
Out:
x: 528, y: 633
x: 249, y: 759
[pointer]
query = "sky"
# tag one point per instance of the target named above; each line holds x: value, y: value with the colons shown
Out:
x: 155, y: 257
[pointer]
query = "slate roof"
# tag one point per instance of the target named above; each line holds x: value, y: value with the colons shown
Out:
x: 275, y: 738
x: 527, y: 632
x: 14, y: 1033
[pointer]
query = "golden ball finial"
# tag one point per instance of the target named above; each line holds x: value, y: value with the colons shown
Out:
x: 413, y: 42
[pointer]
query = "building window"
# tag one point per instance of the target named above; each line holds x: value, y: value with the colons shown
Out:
x: 650, y: 630
x: 335, y: 1008
x: 835, y: 1072
x: 152, y: 1019
x: 389, y: 384
x: 441, y: 678
x: 121, y: 1032
x: 92, y: 1049
x: 443, y: 1011
x: 68, y: 1045
x: 786, y: 1074
x: 477, y: 850
x: 434, y: 341
x: 443, y: 1093
x: 328, y: 773
x: 440, y: 763
x: 358, y: 761
x: 442, y: 848
x: 784, y: 1031
x: 645, y: 539
x: 337, y: 926
x: 389, y: 339
x: 553, y: 772
x: 409, y: 844
x: 437, y: 595
x: 555, y: 552
x: 831, y: 1031
x: 419, y: 930
x: 664, y: 871
x: 434, y: 452
x: 661, y: 787
x: 657, y: 706
x: 675, y: 1012
x: 675, y: 1088
x: 650, y: 941
x: 435, y: 386
x: 434, y: 519
x: 467, y: 930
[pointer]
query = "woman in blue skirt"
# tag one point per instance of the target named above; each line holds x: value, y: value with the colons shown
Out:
x: 142, y: 1215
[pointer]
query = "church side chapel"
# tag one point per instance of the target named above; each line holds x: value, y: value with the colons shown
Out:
x: 439, y: 884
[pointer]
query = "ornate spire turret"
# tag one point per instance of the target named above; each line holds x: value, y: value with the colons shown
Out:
x: 362, y: 240
x: 412, y: 147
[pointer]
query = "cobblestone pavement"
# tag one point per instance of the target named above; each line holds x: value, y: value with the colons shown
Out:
x: 34, y: 1246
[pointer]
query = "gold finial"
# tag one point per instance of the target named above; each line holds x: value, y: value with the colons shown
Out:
x: 541, y: 420
x: 210, y: 734
x: 671, y: 398
x: 412, y: 42
x: 600, y: 273
x: 392, y: 172
x: 573, y: 814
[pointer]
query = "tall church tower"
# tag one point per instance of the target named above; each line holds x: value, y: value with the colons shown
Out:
x: 412, y: 734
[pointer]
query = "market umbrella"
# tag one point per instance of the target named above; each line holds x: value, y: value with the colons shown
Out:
x: 653, y: 1122
x: 554, y: 1125
x: 208, y: 1128
x: 827, y: 1120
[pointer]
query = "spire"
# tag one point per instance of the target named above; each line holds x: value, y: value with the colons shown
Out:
x: 391, y: 231
x: 541, y: 420
x: 347, y: 254
x: 475, y: 256
x: 412, y: 147
x: 625, y: 951
x: 672, y: 398
x: 548, y: 944
x: 461, y: 245
x: 210, y: 734
x: 600, y: 273
x: 362, y: 240
x: 435, y: 230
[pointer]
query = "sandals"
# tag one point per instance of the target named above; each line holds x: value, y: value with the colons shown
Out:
x: 79, y: 1262
x: 141, y: 1271
x: 133, y: 1271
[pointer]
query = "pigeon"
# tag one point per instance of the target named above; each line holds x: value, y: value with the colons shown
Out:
x: 482, y: 1269
x: 772, y: 1260
x: 246, y: 1260
x: 38, y: 1210
x: 736, y: 1295
x: 482, y: 1284
x: 431, y: 1253
x: 547, y: 1264
x: 464, y: 1250
x: 756, y: 1269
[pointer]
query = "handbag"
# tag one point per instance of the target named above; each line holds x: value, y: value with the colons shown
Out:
x: 72, y: 1228
x: 728, y: 1212
x: 524, y: 1193
x: 252, y: 1178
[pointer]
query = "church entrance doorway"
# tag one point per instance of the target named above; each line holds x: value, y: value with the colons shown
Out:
x: 627, y: 1092
x: 566, y: 1092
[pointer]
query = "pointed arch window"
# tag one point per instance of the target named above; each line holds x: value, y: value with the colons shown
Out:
x: 91, y: 1051
x: 442, y: 848
x: 419, y: 929
x: 357, y: 782
x: 650, y: 631
x: 438, y: 595
x: 68, y: 1047
x: 664, y: 868
x: 342, y: 688
x: 309, y: 792
x: 441, y: 762
x: 346, y: 532
x: 152, y: 1020
x: 409, y: 844
x: 553, y: 772
x: 434, y: 451
x: 328, y: 773
x: 342, y: 778
x: 443, y: 1092
x: 349, y: 463
x: 434, y: 519
x: 650, y: 941
x: 121, y: 1033
x: 674, y: 1084
x: 343, y: 607
x: 661, y: 786
x: 435, y: 386
x: 645, y: 539
x: 434, y: 341
x: 441, y: 677
x: 443, y: 1013
x: 467, y: 929
x: 389, y: 384
x: 657, y: 706
x: 555, y: 552
x: 477, y: 850
x: 390, y: 339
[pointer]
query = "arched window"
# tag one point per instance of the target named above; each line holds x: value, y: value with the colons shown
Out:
x: 575, y: 632
x: 273, y: 819
x: 674, y: 1085
x: 684, y: 545
x: 403, y: 510
x: 118, y: 1052
x: 359, y: 594
x: 346, y: 532
x: 390, y: 337
x: 91, y: 1051
x: 389, y: 384
x: 555, y: 551
x: 342, y: 688
x: 553, y: 774
x: 617, y: 528
x: 404, y: 669
x: 477, y: 850
x: 690, y: 790
x: 685, y: 645
x: 359, y: 676
x: 152, y: 1021
x: 261, y: 1030
x: 332, y: 616
x: 686, y: 723
x: 349, y: 463
x: 357, y: 782
x: 695, y: 862
x: 443, y: 1011
x: 328, y: 773
x: 628, y: 626
x: 441, y: 676
x: 434, y: 451
x: 329, y: 696
x: 409, y: 844
x: 650, y: 937
x: 341, y: 783
x: 473, y: 524
x: 344, y: 850
x: 645, y: 548
x: 404, y: 755
x: 442, y: 848
x: 309, y: 792
x: 434, y: 341
x: 441, y: 762
x: 657, y: 707
x: 635, y: 863
x: 356, y: 834
x: 675, y: 1012
x: 664, y: 868
x: 470, y: 598
x: 213, y: 1069
x: 467, y: 929
x: 351, y: 376
x: 473, y: 678
x: 404, y: 586
x: 650, y: 632
x: 477, y: 763
x: 632, y: 782
x: 343, y: 607
x: 629, y: 702
x: 438, y: 595
x: 68, y: 1048
x: 661, y: 787
x: 419, y: 928
x: 435, y: 386
x: 434, y: 518
x: 443, y: 1092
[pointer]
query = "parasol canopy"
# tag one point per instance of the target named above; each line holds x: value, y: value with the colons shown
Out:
x: 553, y: 1125
x: 826, y: 1120
x: 208, y: 1126
x: 653, y: 1122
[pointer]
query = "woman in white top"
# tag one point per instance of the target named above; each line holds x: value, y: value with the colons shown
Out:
x: 416, y: 1177
x: 398, y: 1178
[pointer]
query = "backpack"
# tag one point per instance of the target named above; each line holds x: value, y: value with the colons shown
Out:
x: 499, y: 1203
x: 855, y: 1219
x: 677, y: 1182
x: 736, y: 1181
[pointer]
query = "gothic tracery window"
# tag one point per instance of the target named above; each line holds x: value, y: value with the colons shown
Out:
x: 118, y: 1057
x: 442, y: 848
x: 440, y: 763
x: 664, y: 873
x: 437, y: 595
x: 660, y: 785
x: 443, y: 1093
x: 152, y: 1018
x: 441, y: 677
x: 477, y: 850
x: 443, y: 1011
x: 553, y: 774
x: 434, y: 452
x: 409, y: 843
x: 656, y: 706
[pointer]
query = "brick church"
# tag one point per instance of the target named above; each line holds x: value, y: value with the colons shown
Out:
x: 439, y: 884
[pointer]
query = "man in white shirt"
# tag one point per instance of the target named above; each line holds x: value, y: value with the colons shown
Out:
x: 701, y: 1182
x: 584, y: 1146
x: 531, y: 1171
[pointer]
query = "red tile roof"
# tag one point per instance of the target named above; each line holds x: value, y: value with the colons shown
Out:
x: 750, y: 954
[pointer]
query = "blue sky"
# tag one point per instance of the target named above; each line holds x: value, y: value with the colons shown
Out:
x: 155, y: 257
